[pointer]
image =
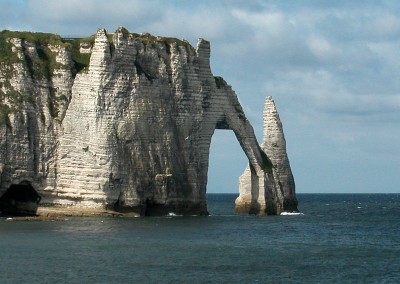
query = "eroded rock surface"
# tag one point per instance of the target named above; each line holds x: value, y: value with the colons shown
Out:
x: 129, y: 130
x: 282, y: 189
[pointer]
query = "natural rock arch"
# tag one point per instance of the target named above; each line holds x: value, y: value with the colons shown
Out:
x: 147, y: 115
x: 130, y: 131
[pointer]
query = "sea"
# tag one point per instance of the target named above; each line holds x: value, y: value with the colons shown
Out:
x: 336, y: 238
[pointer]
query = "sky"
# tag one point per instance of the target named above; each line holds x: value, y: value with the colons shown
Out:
x: 332, y: 68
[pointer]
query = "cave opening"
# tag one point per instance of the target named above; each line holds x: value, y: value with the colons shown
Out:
x: 20, y: 199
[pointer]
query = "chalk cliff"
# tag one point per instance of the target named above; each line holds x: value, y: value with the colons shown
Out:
x: 119, y: 122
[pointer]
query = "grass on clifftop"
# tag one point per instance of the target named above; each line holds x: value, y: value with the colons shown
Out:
x: 47, y: 63
x: 6, y: 54
x: 39, y: 39
x: 148, y: 38
x: 43, y: 65
x: 81, y: 60
x: 40, y: 67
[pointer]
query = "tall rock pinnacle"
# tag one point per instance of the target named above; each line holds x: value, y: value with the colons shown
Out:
x: 274, y: 145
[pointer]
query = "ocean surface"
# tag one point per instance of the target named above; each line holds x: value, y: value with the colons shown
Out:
x: 338, y: 238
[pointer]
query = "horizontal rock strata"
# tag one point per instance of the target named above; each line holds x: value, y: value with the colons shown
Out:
x: 119, y: 122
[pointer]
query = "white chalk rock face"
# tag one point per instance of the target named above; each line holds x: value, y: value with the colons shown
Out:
x: 130, y: 132
x: 274, y: 145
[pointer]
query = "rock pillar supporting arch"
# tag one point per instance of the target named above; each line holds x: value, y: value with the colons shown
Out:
x: 261, y: 194
x: 279, y: 186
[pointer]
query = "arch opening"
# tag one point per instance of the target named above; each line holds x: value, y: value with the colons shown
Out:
x: 227, y: 162
x: 20, y: 199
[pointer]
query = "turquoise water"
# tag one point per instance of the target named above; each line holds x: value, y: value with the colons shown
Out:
x: 339, y: 239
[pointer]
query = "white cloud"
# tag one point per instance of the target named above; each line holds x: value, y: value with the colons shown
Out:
x: 269, y: 28
x: 273, y: 22
x: 84, y: 17
x: 322, y: 48
x: 384, y: 24
x: 77, y: 10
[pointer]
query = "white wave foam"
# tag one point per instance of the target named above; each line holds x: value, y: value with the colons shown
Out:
x: 172, y: 214
x: 291, y: 213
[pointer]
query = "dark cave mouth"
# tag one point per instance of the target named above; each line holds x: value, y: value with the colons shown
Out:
x: 20, y: 199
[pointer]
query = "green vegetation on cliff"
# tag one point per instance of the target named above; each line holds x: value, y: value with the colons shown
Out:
x: 41, y: 66
x: 41, y: 39
x: 46, y: 63
x: 81, y: 60
x: 147, y: 38
x: 6, y: 54
x: 9, y: 103
x: 39, y: 56
x: 39, y: 52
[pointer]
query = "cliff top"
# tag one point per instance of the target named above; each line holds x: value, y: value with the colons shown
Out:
x: 41, y: 54
x: 44, y: 40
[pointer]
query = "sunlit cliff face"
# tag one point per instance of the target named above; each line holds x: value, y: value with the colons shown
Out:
x: 121, y: 122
